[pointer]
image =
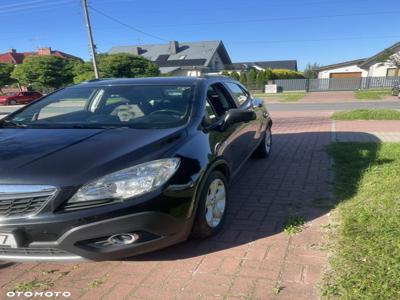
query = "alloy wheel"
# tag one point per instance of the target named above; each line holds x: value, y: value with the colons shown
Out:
x: 215, y: 202
x: 268, y: 140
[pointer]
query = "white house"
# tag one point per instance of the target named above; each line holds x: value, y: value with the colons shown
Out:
x: 366, y: 67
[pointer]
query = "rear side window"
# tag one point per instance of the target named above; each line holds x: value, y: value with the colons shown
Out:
x: 238, y: 93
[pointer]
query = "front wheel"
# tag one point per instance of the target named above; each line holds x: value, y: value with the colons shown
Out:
x: 212, y: 204
x: 12, y: 102
x: 264, y: 149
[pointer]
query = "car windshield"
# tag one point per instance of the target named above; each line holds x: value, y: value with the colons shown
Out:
x: 136, y: 106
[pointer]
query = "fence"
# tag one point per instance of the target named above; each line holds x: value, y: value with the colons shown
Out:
x: 336, y: 84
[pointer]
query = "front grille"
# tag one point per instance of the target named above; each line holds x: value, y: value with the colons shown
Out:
x: 21, y: 201
x: 32, y: 251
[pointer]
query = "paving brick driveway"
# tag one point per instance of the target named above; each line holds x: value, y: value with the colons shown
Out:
x: 252, y: 258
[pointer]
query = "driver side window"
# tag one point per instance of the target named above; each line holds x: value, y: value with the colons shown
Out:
x: 218, y: 102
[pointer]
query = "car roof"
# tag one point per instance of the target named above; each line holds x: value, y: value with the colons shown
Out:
x: 150, y: 80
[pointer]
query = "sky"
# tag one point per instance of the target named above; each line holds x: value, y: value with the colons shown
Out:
x: 321, y: 31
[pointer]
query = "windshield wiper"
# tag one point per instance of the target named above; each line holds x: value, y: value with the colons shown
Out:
x: 92, y: 126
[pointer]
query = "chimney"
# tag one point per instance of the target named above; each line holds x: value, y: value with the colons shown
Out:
x: 174, y: 47
x: 44, y: 51
x: 12, y: 50
x: 136, y: 50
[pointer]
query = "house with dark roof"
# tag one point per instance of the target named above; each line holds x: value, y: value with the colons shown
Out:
x: 364, y: 67
x: 16, y: 58
x: 264, y: 65
x: 182, y: 59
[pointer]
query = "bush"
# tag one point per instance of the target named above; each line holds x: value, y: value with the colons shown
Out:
x: 261, y: 80
x: 225, y: 73
x: 235, y: 75
x: 286, y: 74
x: 243, y: 78
x: 255, y: 80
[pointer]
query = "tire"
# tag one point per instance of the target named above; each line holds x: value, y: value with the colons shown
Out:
x: 264, y: 149
x: 206, y: 222
x: 12, y: 102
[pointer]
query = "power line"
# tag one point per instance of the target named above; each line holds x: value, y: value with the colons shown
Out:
x: 241, y: 8
x: 314, y: 40
x: 31, y: 7
x: 21, y: 4
x: 126, y: 25
x: 279, y: 19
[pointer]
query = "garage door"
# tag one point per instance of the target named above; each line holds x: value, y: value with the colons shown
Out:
x: 346, y: 75
x: 345, y: 81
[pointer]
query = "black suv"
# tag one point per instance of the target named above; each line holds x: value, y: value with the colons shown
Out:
x: 114, y: 168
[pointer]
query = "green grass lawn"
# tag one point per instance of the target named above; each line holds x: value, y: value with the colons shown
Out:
x: 366, y: 253
x: 367, y: 114
x: 372, y: 94
x: 282, y: 97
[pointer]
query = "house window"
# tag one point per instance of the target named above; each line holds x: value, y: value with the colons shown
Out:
x: 393, y: 72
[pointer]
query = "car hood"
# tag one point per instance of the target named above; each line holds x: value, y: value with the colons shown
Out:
x: 70, y: 157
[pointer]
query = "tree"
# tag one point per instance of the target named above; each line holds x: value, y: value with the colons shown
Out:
x: 225, y: 73
x: 120, y: 65
x: 126, y: 65
x: 311, y: 71
x: 391, y: 57
x: 251, y: 77
x: 268, y: 74
x: 44, y: 72
x: 5, y: 75
x: 83, y: 72
x: 261, y: 79
x: 235, y: 75
x: 243, y: 78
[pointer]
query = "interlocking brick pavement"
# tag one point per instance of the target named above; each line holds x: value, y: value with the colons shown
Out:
x: 252, y: 258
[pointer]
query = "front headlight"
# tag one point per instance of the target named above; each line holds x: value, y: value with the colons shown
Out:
x: 130, y: 182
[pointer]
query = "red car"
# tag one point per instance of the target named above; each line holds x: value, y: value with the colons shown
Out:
x: 19, y: 98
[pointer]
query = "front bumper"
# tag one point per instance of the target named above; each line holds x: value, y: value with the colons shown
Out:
x: 89, y: 242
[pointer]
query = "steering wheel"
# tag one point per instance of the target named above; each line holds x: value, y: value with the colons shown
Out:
x: 166, y: 112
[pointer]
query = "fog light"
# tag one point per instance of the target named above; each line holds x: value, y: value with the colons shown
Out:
x: 123, y: 238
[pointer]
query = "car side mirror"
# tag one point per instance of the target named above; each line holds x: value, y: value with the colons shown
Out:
x: 237, y: 115
x: 257, y: 102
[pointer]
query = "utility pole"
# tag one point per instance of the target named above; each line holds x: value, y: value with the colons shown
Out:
x: 92, y: 48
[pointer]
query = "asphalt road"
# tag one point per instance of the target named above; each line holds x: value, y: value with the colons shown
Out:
x: 5, y: 110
